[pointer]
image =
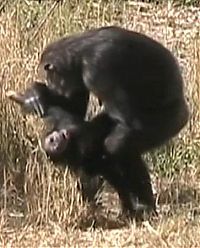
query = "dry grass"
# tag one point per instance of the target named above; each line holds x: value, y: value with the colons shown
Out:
x: 39, y: 203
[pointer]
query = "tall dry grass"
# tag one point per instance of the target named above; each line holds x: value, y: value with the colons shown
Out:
x: 35, y: 192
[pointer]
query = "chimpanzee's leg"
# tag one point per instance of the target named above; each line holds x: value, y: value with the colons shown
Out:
x: 139, y: 180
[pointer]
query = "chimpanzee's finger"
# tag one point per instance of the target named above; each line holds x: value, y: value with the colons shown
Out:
x: 39, y: 107
x: 32, y: 103
x: 16, y: 97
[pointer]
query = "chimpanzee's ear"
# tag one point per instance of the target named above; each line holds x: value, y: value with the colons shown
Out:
x: 49, y: 67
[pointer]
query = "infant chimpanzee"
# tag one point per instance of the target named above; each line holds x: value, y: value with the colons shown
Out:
x: 81, y: 144
x: 69, y: 141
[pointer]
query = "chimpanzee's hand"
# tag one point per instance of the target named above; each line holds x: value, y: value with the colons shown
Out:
x: 33, y: 100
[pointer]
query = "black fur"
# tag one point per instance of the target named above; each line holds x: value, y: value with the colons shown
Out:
x: 140, y: 84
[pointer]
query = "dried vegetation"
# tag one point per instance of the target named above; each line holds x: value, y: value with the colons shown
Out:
x: 39, y: 203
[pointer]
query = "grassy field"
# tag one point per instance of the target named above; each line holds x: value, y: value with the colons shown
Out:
x: 39, y: 203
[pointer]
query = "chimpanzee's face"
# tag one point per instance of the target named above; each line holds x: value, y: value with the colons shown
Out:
x: 62, y: 81
x: 55, y: 144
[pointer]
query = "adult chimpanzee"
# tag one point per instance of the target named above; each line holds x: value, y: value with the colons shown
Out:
x: 139, y: 82
x: 136, y: 78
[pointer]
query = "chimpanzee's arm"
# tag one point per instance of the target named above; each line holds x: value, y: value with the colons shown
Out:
x: 46, y: 98
x: 93, y: 133
x: 39, y: 99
